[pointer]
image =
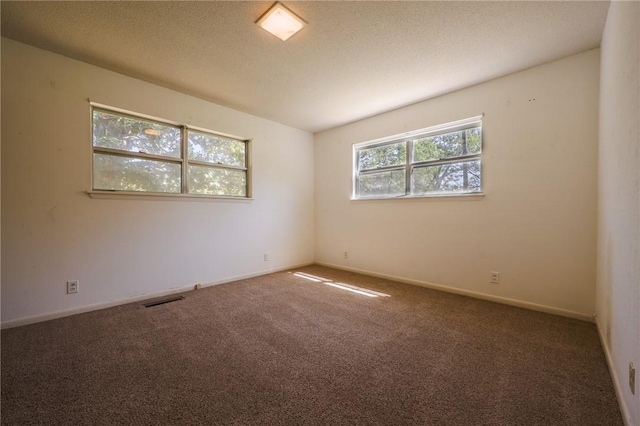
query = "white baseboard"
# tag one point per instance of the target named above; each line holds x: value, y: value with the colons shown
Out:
x: 103, y: 305
x: 477, y: 295
x: 474, y: 294
x: 624, y: 410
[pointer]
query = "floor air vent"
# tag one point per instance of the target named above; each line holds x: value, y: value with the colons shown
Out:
x: 163, y: 301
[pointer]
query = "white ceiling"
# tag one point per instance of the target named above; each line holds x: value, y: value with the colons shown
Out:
x: 353, y: 59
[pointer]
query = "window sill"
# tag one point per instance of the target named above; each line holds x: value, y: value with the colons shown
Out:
x: 451, y: 197
x: 124, y: 195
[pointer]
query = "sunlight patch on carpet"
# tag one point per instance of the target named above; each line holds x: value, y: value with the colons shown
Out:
x: 341, y: 286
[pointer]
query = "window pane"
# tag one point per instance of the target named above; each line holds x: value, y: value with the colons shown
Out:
x: 112, y: 172
x: 453, y: 177
x: 382, y: 156
x: 465, y: 142
x: 135, y: 135
x: 474, y: 140
x: 387, y: 183
x: 216, y: 149
x: 217, y: 181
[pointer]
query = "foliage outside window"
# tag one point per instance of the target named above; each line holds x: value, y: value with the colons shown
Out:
x: 133, y: 154
x: 441, y: 160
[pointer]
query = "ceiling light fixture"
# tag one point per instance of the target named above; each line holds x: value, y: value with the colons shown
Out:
x: 280, y: 21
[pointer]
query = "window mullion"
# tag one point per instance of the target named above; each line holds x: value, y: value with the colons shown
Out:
x: 465, y: 166
x: 133, y: 154
x: 185, y: 161
x: 218, y: 165
x: 450, y: 160
x: 381, y: 169
x: 409, y: 148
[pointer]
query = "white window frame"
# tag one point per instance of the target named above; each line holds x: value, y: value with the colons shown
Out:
x: 409, y: 165
x: 183, y: 160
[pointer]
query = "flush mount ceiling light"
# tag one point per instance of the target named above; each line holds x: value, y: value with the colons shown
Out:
x: 280, y: 21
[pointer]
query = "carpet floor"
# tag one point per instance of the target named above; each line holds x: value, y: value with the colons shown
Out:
x: 310, y: 346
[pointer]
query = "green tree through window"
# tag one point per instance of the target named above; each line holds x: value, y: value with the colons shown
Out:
x: 134, y: 154
x: 437, y: 161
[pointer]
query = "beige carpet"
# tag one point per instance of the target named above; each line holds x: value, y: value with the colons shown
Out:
x: 287, y: 349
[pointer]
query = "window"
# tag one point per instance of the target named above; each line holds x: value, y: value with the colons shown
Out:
x: 134, y: 154
x: 440, y: 160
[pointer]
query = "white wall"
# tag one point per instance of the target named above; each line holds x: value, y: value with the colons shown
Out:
x: 536, y: 224
x: 618, y: 278
x: 121, y: 249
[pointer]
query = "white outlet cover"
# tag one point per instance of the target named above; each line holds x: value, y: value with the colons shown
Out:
x: 73, y: 287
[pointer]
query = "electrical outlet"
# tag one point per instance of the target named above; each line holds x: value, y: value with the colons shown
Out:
x: 632, y: 378
x: 495, y: 278
x: 266, y: 257
x: 73, y: 287
x: 346, y: 255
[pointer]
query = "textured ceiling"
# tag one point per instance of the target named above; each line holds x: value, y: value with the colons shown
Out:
x: 353, y: 60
